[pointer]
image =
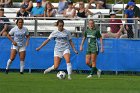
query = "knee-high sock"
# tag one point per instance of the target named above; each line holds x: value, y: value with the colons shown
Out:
x: 69, y: 68
x: 21, y: 66
x: 8, y: 63
x: 50, y: 69
x: 93, y: 70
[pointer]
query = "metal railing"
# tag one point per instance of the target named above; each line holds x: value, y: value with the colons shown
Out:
x: 46, y: 24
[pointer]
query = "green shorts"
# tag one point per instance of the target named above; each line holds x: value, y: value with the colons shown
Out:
x: 92, y: 51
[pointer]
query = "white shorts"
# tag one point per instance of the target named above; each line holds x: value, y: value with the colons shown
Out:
x: 61, y: 53
x: 19, y: 48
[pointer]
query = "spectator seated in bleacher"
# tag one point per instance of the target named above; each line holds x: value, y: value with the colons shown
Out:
x: 3, y: 24
x: 82, y: 12
x: 70, y: 12
x: 62, y: 5
x: 49, y: 10
x: 6, y: 3
x: 116, y: 28
x: 44, y: 2
x: 38, y: 11
x: 89, y: 5
x: 28, y: 4
x: 22, y: 12
x: 100, y: 4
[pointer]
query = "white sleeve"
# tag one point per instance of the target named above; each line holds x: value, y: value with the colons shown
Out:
x: 12, y: 31
x: 52, y: 35
x: 27, y: 32
x: 69, y: 35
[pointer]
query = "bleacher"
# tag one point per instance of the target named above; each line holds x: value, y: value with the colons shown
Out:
x: 48, y: 25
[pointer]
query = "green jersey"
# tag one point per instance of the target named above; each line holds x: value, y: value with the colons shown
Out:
x: 92, y: 35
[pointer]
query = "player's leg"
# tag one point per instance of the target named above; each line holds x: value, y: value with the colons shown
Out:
x: 55, y: 66
x: 22, y: 58
x: 93, y: 69
x: 93, y: 59
x: 88, y: 60
x: 57, y: 60
x: 12, y: 57
x: 69, y: 66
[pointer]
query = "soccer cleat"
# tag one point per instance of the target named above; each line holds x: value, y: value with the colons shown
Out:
x: 99, y: 73
x: 46, y: 71
x: 6, y: 71
x: 69, y: 78
x: 21, y: 73
x: 89, y: 76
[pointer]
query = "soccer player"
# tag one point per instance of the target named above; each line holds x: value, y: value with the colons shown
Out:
x: 18, y: 43
x: 62, y: 47
x: 92, y: 34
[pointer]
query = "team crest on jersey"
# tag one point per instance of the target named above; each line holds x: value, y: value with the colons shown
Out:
x: 91, y: 36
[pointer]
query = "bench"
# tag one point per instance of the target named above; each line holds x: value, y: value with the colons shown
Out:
x: 118, y: 6
x: 11, y: 10
x: 100, y: 11
x: 47, y: 26
x: 109, y: 6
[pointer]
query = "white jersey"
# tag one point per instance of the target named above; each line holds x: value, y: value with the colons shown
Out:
x: 69, y: 13
x: 19, y: 35
x: 62, y: 40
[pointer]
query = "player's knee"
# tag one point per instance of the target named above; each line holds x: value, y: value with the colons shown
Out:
x: 21, y: 59
x: 87, y: 62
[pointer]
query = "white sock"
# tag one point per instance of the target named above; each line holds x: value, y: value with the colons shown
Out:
x: 8, y: 63
x: 69, y: 69
x: 21, y: 66
x: 50, y: 69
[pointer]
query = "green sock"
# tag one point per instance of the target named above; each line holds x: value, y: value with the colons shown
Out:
x: 93, y: 70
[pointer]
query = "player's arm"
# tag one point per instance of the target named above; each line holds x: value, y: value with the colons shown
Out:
x: 82, y: 43
x: 73, y: 47
x: 101, y: 42
x: 46, y: 41
x: 43, y: 44
x: 10, y: 38
x: 27, y: 39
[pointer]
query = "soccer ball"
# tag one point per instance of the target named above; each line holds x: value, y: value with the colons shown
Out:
x: 61, y: 75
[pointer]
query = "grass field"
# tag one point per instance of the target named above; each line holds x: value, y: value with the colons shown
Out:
x: 39, y: 83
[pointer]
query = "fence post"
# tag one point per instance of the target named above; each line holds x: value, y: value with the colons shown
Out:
x: 85, y: 24
x: 123, y: 9
x: 100, y: 20
x: 35, y: 32
x: 136, y: 28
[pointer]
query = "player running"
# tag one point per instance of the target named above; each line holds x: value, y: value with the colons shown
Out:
x: 18, y: 43
x: 92, y: 34
x: 62, y: 47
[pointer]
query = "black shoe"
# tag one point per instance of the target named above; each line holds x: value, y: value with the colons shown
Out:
x: 21, y: 72
x: 6, y: 71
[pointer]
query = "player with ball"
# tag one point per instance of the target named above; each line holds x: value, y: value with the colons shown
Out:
x: 62, y: 47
